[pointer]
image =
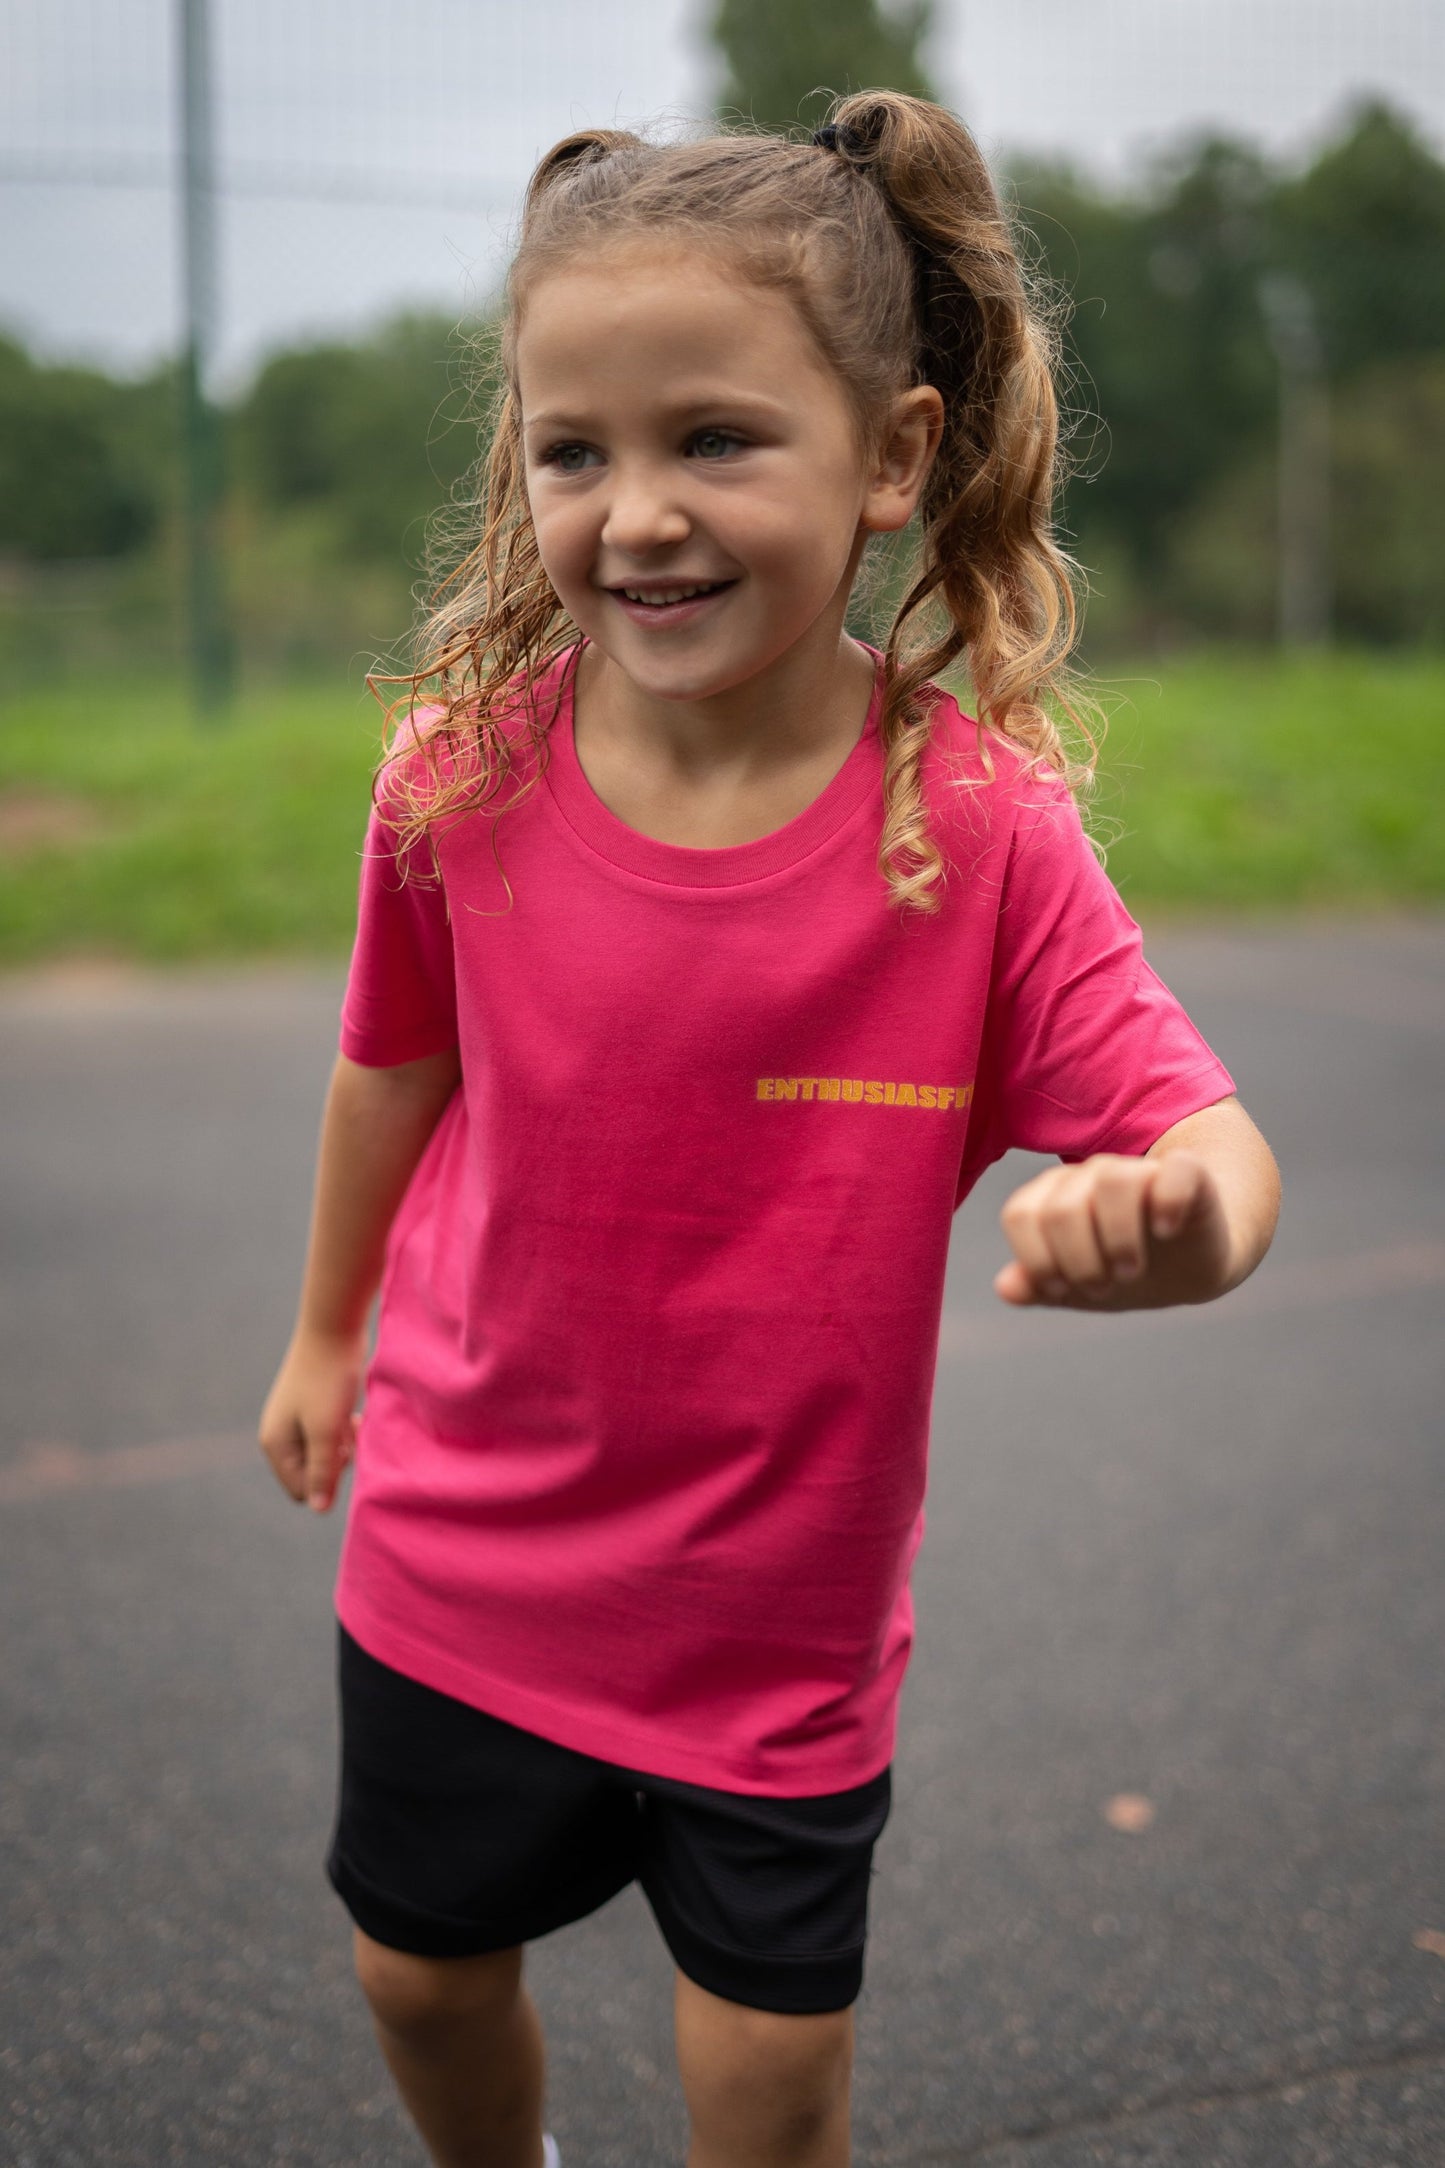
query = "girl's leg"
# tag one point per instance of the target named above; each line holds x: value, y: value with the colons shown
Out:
x: 463, y: 2042
x: 763, y: 2090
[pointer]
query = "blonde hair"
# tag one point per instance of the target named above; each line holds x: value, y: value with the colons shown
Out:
x: 890, y: 237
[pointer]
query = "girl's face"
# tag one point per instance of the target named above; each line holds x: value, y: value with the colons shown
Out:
x: 695, y: 479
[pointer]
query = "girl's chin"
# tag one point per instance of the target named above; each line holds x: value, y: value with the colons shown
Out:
x: 683, y: 684
x: 700, y: 668
x: 694, y: 670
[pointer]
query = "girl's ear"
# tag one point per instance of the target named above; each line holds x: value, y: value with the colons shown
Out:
x: 907, y: 451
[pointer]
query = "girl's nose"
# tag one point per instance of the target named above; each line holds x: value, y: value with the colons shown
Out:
x: 643, y: 516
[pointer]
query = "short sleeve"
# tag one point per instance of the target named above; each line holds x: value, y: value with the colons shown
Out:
x: 400, y: 1003
x: 1085, y: 1049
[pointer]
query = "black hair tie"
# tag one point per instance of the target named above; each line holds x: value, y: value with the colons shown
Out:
x: 839, y: 137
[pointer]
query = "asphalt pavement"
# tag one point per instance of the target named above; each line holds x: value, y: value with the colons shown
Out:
x: 1164, y: 1885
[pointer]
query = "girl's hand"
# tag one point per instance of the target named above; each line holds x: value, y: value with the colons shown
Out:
x: 1117, y: 1234
x: 307, y: 1431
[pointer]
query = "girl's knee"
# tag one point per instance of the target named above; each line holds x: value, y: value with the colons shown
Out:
x: 793, y: 2069
x: 411, y: 1994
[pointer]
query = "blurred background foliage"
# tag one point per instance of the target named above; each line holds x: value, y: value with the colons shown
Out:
x: 337, y: 454
x: 778, y: 56
x: 1233, y: 776
x: 1175, y: 388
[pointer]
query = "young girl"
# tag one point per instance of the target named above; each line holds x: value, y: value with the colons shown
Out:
x: 705, y: 959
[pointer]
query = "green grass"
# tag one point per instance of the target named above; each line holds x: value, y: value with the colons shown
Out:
x: 1237, y: 783
x: 126, y: 831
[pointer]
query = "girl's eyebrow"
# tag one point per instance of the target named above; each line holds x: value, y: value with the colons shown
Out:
x: 678, y: 412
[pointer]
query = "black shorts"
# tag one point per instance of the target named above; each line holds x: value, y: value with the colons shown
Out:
x: 458, y: 1833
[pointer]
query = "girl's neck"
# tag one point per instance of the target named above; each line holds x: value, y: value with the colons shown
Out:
x: 813, y: 700
x: 713, y: 773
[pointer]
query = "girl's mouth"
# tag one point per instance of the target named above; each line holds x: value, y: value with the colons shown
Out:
x: 676, y: 602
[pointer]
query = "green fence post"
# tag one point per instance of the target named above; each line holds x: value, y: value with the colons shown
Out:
x: 208, y: 636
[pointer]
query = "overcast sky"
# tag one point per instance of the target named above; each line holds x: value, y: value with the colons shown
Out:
x: 372, y: 151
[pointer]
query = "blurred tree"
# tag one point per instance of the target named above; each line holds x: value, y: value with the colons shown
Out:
x: 1389, y: 502
x: 1364, y: 229
x: 1173, y: 386
x: 1387, y: 521
x: 787, y: 55
x: 81, y: 473
x: 1169, y: 372
x: 373, y: 435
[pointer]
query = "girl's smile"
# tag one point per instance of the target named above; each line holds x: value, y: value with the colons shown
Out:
x: 665, y: 605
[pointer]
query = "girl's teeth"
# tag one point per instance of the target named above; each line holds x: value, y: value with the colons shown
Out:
x: 671, y: 594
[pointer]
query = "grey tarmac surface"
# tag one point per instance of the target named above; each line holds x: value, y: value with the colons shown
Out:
x: 1193, y: 1558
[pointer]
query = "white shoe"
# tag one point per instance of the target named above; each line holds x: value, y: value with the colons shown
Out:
x: 551, y: 2158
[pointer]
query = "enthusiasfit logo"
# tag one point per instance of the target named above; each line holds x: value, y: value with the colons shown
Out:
x: 864, y: 1091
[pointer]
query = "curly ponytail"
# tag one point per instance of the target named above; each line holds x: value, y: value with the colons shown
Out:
x: 989, y: 574
x: 888, y: 233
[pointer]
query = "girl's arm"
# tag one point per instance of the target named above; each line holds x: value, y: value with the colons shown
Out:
x: 373, y: 1132
x: 1186, y: 1222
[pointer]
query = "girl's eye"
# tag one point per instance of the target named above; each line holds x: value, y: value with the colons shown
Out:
x: 568, y: 458
x: 715, y: 443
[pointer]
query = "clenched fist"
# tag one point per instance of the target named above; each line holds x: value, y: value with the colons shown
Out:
x: 1113, y: 1233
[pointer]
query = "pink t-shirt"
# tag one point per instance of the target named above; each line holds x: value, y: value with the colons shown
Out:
x: 642, y: 1461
